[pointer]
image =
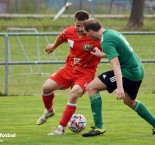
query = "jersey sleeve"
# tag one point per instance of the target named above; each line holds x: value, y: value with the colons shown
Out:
x: 109, y: 49
x: 63, y: 36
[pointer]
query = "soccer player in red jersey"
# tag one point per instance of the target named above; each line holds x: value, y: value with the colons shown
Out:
x: 78, y: 72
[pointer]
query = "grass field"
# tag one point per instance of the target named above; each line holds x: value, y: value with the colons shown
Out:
x: 21, y: 109
x: 124, y: 126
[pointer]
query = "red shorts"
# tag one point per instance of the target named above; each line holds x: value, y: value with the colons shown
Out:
x: 68, y: 77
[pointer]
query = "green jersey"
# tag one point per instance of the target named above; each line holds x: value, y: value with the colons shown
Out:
x: 114, y: 44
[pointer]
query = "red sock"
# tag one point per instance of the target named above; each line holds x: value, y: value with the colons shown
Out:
x: 48, y: 101
x: 67, y: 114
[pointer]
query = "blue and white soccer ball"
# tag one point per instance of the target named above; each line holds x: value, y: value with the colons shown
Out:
x: 77, y: 123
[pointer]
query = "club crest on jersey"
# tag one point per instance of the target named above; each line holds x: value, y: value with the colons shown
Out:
x: 87, y: 47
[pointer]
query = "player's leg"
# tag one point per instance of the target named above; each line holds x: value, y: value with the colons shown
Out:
x: 93, y: 90
x: 131, y: 89
x: 83, y: 77
x: 141, y: 110
x: 48, y: 93
x: 70, y: 109
x: 47, y: 96
x: 74, y: 94
x: 96, y: 106
x: 105, y: 81
x: 55, y: 82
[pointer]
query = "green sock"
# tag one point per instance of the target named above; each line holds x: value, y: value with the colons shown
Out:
x: 144, y: 113
x: 96, y: 107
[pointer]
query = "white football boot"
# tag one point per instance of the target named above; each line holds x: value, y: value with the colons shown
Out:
x: 45, y: 116
x: 57, y: 131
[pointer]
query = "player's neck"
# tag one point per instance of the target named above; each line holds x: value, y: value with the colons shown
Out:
x: 80, y: 35
x: 100, y: 32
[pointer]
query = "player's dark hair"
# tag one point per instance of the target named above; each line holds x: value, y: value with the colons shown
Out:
x: 92, y: 24
x: 81, y: 15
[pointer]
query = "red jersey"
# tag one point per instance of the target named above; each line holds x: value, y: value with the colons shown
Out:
x: 78, y: 57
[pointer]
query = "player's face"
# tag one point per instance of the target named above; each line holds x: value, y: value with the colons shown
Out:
x: 79, y: 27
x: 92, y: 35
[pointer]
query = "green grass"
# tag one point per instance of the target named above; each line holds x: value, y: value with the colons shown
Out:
x: 124, y: 126
x: 47, y: 24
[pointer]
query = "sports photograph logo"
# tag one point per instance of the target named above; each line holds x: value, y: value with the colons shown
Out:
x: 6, y: 135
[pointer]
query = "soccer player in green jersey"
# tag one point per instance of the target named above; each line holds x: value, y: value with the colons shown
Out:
x: 124, y: 80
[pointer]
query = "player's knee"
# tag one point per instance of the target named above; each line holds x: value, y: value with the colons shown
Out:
x: 76, y: 93
x: 46, y: 89
x: 90, y: 89
x: 73, y: 98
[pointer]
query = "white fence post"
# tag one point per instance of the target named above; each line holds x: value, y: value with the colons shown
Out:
x: 6, y: 63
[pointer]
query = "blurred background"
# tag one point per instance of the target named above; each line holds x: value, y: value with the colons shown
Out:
x: 53, y: 6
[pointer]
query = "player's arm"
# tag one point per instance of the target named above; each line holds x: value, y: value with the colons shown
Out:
x: 51, y: 47
x: 97, y: 52
x: 118, y: 74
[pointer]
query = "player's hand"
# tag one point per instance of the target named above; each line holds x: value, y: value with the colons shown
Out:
x: 97, y: 52
x: 49, y: 48
x: 119, y: 93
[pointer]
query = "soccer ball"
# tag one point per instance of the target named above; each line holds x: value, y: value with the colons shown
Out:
x: 77, y: 123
